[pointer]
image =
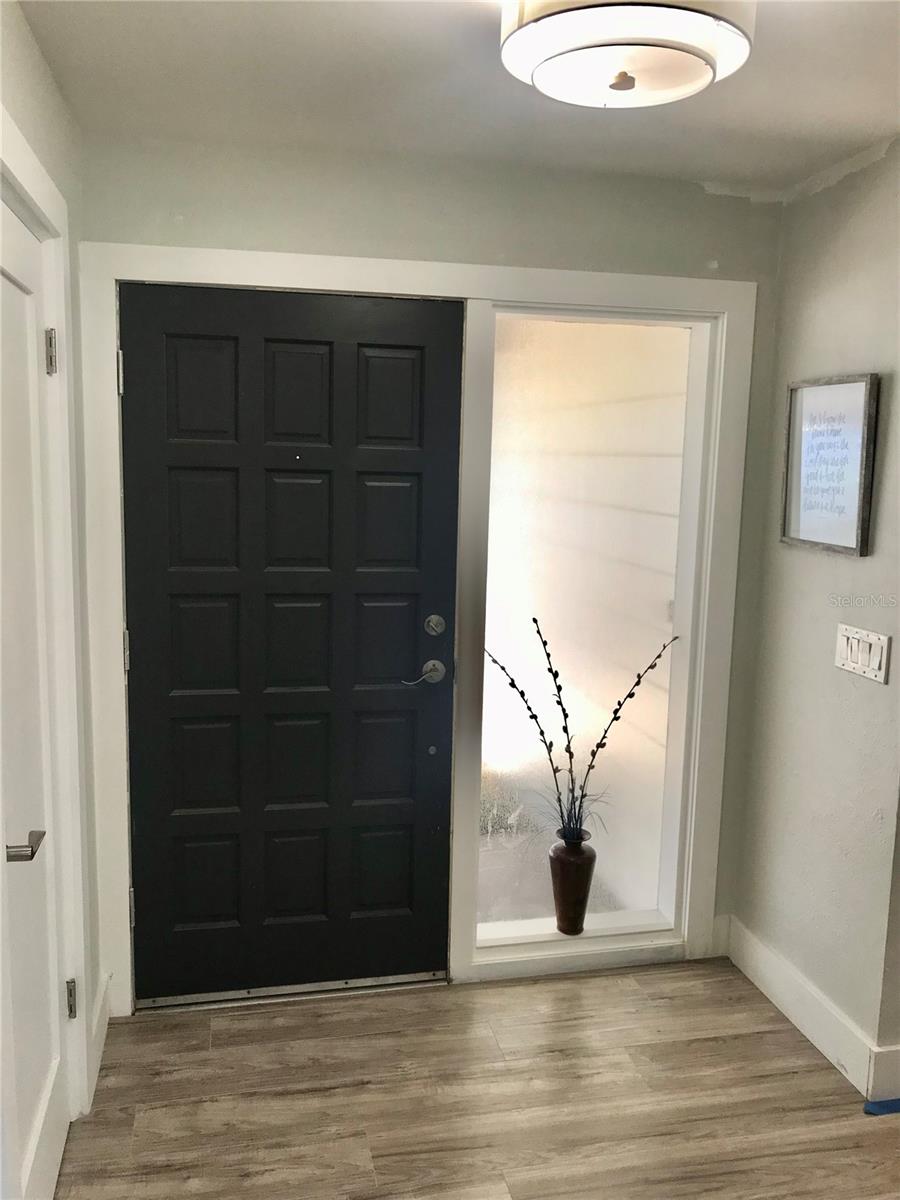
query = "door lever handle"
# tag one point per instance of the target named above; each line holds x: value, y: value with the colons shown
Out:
x: 432, y: 672
x: 27, y: 852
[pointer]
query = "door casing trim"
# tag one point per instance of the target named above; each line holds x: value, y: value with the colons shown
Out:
x: 725, y: 307
x: 29, y: 191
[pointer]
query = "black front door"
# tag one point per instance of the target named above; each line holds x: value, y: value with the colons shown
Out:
x: 290, y: 466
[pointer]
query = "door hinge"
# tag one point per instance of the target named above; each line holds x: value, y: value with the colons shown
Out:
x: 71, y: 999
x: 50, y: 362
x: 126, y: 650
x: 120, y: 372
x: 131, y: 906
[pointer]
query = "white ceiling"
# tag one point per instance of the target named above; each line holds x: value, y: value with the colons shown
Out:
x: 423, y: 77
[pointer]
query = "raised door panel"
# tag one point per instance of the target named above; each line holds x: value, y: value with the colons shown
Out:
x: 298, y: 393
x: 205, y: 764
x: 388, y: 522
x: 201, y: 388
x: 295, y: 876
x: 382, y: 871
x: 387, y: 640
x: 205, y: 636
x: 203, y: 519
x: 389, y: 409
x: 207, y: 879
x: 298, y: 520
x: 298, y: 642
x: 298, y: 761
x: 384, y: 757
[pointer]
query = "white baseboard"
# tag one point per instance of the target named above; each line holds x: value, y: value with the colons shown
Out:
x: 828, y: 1028
x: 97, y: 1040
x: 121, y: 1001
x: 884, y: 1073
x: 44, y: 1141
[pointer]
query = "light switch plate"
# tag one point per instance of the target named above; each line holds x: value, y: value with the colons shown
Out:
x: 863, y: 652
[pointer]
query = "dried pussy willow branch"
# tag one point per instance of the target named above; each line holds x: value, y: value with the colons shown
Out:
x: 564, y: 714
x: 572, y: 813
x: 547, y: 744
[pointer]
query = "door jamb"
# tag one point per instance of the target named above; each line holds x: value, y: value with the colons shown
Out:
x: 728, y: 307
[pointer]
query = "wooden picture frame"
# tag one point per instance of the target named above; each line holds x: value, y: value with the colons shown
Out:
x: 829, y: 456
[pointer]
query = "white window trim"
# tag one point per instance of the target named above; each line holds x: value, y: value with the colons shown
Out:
x: 725, y: 307
x: 596, y: 925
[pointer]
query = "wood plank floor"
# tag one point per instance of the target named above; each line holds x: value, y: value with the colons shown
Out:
x: 655, y: 1083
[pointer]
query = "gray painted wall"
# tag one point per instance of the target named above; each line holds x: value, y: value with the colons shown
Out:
x: 819, y: 754
x: 34, y: 102
x: 404, y: 207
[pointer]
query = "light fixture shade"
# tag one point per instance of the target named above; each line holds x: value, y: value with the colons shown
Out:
x: 613, y: 54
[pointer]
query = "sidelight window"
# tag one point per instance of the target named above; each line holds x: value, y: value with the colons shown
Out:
x: 586, y: 480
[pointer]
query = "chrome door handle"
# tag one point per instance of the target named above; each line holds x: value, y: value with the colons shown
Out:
x: 432, y: 672
x: 27, y: 852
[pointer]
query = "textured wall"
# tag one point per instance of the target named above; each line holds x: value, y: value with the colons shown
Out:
x: 820, y: 753
x: 34, y: 102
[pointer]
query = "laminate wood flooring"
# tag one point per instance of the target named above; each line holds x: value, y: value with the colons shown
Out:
x: 656, y: 1083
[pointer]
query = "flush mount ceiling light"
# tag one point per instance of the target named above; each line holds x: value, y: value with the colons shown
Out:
x: 610, y: 54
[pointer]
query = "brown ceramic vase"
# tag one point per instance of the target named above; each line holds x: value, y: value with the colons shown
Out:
x: 571, y: 869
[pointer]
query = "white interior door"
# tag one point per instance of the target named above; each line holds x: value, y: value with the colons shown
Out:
x: 35, y: 1109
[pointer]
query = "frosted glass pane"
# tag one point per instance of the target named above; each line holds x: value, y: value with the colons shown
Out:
x: 588, y: 428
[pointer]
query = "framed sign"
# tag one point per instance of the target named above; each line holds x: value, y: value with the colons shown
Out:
x: 829, y: 454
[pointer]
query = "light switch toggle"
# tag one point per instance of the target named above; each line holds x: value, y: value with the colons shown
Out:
x: 862, y: 652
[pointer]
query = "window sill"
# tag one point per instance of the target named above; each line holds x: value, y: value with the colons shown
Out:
x: 542, y: 930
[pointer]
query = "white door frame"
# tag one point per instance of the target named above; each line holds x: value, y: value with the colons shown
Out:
x: 723, y: 308
x: 29, y: 191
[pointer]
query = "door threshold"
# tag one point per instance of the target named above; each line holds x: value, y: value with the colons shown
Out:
x: 296, y: 991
